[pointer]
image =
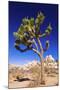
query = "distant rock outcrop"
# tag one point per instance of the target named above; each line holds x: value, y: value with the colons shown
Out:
x: 49, y: 59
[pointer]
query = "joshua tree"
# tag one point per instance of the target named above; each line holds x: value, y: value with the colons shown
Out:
x: 29, y: 34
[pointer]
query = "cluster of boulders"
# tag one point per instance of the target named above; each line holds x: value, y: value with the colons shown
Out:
x: 51, y: 66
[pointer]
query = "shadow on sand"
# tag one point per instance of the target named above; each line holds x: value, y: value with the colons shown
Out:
x: 23, y: 79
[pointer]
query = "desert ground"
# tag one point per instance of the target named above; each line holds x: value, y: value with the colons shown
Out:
x: 50, y: 81
x: 30, y: 75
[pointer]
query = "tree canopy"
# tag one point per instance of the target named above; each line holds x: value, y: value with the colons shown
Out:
x: 30, y: 30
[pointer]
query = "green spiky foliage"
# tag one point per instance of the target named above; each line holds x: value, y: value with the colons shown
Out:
x: 30, y: 28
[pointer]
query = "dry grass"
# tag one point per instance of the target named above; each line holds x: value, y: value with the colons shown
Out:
x: 36, y: 76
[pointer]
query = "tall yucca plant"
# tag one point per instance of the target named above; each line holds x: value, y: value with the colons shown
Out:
x: 29, y: 34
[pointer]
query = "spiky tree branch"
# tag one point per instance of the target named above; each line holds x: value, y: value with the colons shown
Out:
x: 34, y: 42
x: 41, y: 48
x: 46, y: 46
x: 22, y: 50
x: 36, y: 51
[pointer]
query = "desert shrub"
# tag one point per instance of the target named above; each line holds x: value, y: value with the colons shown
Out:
x: 35, y: 72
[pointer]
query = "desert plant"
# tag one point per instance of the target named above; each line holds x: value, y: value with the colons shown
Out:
x: 35, y: 72
x: 29, y: 34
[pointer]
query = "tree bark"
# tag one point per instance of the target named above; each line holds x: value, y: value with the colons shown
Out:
x: 42, y: 62
x: 42, y: 77
x: 42, y: 71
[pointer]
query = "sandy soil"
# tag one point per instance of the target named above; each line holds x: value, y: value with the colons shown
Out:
x: 17, y: 84
x: 50, y: 81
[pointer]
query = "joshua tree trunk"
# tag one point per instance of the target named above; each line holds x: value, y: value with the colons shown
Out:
x: 42, y: 71
x: 40, y: 54
x: 42, y: 62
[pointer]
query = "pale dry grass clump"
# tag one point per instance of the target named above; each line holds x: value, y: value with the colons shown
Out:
x: 36, y: 76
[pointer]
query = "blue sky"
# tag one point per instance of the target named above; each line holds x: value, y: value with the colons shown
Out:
x: 19, y: 10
